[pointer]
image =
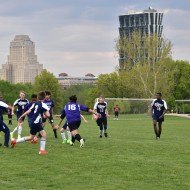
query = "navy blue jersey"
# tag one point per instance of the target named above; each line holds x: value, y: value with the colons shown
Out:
x: 3, y: 107
x: 158, y: 107
x: 72, y: 112
x: 50, y: 104
x: 27, y: 107
x: 101, y: 108
x: 20, y: 105
x: 37, y: 110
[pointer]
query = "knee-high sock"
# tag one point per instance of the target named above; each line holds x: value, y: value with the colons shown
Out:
x: 15, y: 129
x: 19, y: 130
x: 23, y: 139
x: 69, y: 134
x: 42, y: 143
x: 63, y: 135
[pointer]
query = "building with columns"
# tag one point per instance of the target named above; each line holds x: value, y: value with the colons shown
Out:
x: 22, y: 65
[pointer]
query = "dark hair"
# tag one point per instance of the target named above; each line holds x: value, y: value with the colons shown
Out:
x: 41, y: 95
x: 159, y: 93
x: 34, y: 97
x: 48, y: 93
x: 73, y: 98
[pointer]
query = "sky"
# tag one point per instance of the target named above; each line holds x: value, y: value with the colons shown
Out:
x: 78, y: 36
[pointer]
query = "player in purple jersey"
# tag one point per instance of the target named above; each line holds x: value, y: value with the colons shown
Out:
x: 159, y: 108
x: 101, y: 108
x: 37, y: 109
x: 3, y: 126
x: 20, y: 104
x: 72, y: 113
x: 49, y: 102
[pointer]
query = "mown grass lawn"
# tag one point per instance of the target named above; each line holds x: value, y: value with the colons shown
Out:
x: 130, y: 158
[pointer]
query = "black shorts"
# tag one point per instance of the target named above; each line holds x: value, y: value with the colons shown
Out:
x: 74, y: 125
x: 50, y: 119
x: 10, y: 116
x: 18, y: 114
x: 35, y: 128
x: 102, y: 121
x: 116, y: 113
x: 157, y: 119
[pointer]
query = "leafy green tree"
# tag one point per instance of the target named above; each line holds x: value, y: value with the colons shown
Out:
x: 46, y: 81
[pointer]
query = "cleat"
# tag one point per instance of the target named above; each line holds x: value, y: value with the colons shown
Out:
x: 100, y: 136
x: 106, y: 135
x: 71, y: 143
x: 68, y: 141
x: 43, y: 152
x: 13, y: 143
x: 64, y: 141
x: 82, y: 143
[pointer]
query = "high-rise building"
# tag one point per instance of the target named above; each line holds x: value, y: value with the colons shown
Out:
x: 22, y: 65
x: 146, y: 22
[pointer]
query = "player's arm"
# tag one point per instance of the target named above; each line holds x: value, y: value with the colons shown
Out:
x: 83, y: 118
x: 165, y: 109
x: 47, y: 114
x: 13, y: 108
x: 107, y: 114
x: 24, y: 114
x: 63, y: 114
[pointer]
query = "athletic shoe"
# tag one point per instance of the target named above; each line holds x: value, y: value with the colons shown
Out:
x: 106, y: 135
x: 13, y: 143
x: 68, y: 141
x: 64, y: 141
x: 71, y: 143
x: 100, y: 136
x: 43, y: 152
x: 82, y: 143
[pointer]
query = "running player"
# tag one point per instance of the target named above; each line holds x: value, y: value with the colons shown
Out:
x: 3, y: 126
x: 159, y: 108
x: 116, y: 112
x: 37, y: 110
x: 101, y: 108
x: 72, y: 113
x: 20, y: 104
x: 49, y: 102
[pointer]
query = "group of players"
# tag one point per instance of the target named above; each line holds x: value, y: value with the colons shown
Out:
x: 41, y: 107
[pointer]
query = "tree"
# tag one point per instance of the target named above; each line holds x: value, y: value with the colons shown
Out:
x: 144, y: 61
x: 46, y: 81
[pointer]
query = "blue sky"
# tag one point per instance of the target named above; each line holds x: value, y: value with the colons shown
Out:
x: 77, y: 36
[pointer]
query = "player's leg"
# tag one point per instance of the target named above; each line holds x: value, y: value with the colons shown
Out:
x: 69, y: 136
x: 159, y: 128
x: 63, y: 136
x: 74, y: 132
x: 5, y: 129
x: 100, y: 125
x: 51, y: 121
x: 42, y: 142
x: 155, y: 128
x: 105, y: 127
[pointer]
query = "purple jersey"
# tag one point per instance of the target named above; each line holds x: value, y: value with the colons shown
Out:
x: 50, y: 104
x: 72, y: 112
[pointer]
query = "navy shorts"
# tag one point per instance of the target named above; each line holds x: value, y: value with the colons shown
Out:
x: 50, y: 119
x: 18, y: 114
x: 74, y: 125
x: 35, y: 128
x: 156, y: 118
x: 102, y: 121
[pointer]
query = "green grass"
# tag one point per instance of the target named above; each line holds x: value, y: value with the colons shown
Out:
x: 130, y: 158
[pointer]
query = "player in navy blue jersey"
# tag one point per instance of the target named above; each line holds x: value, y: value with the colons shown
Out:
x: 20, y: 104
x: 159, y: 108
x: 72, y: 113
x: 101, y: 108
x: 49, y: 102
x: 37, y: 109
x: 3, y: 126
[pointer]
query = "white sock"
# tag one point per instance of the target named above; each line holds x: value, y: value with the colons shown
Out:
x: 63, y: 135
x: 19, y: 130
x: 101, y: 131
x: 15, y: 129
x: 69, y: 134
x: 42, y: 143
x: 23, y: 139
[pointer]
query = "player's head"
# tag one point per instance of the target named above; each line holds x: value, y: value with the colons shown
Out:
x: 101, y: 99
x: 41, y: 95
x: 22, y: 94
x: 73, y: 98
x: 158, y: 95
x: 34, y: 97
x: 48, y: 94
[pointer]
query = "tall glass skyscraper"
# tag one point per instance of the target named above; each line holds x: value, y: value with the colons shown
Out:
x: 146, y: 22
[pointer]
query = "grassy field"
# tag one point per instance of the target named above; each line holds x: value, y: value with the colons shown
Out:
x: 130, y: 158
